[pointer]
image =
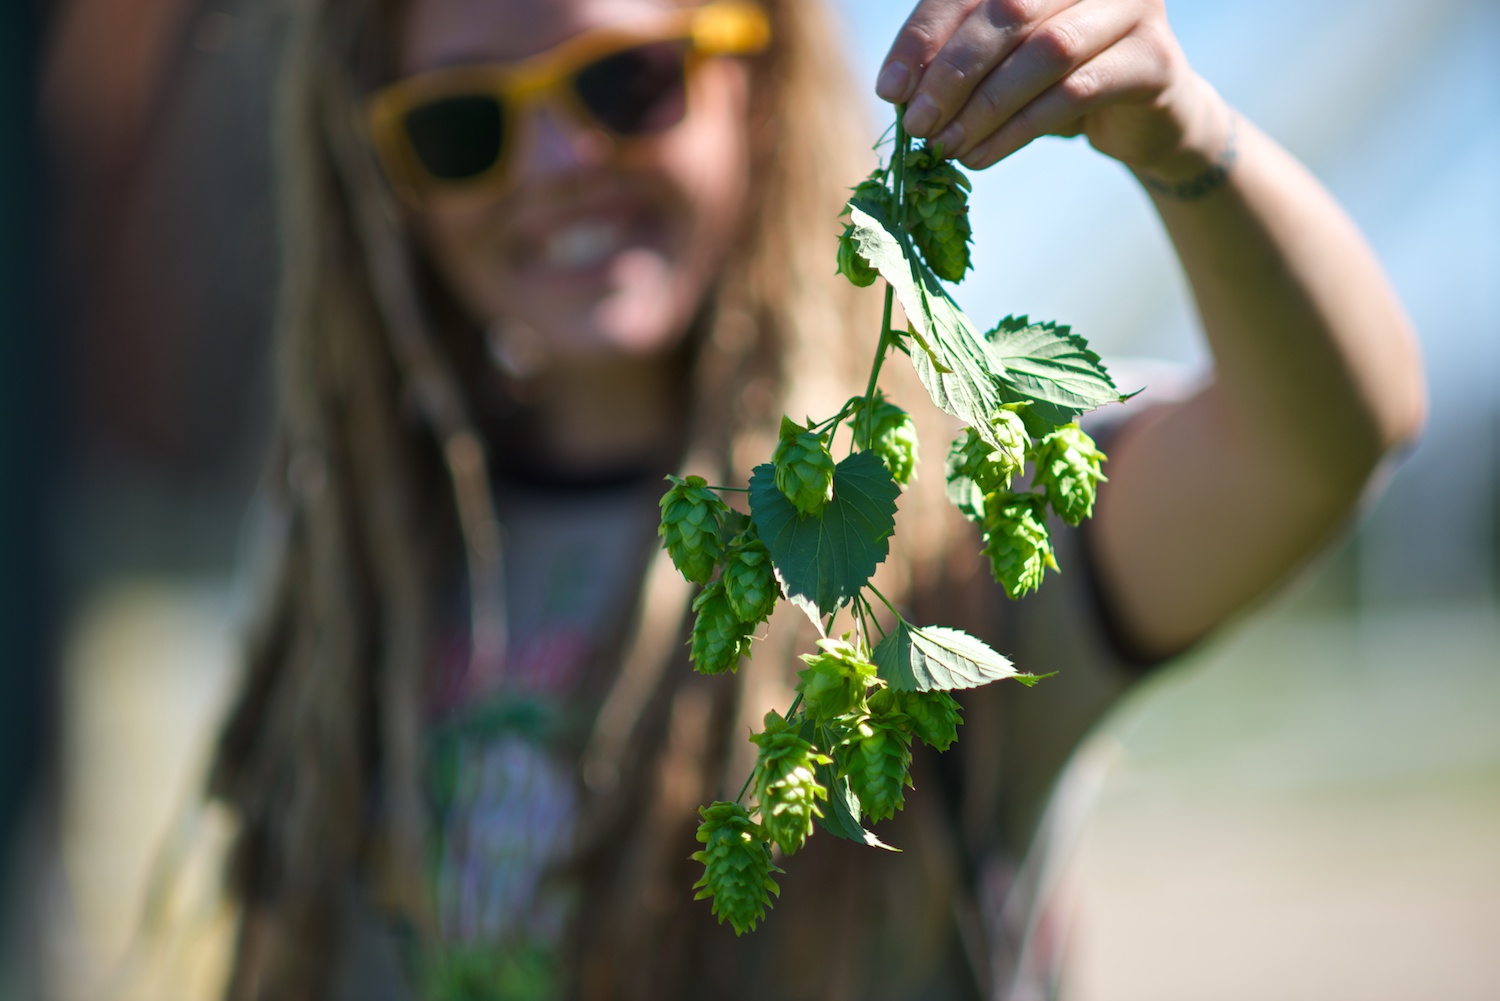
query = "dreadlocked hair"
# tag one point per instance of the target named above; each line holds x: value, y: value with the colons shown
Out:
x: 379, y: 484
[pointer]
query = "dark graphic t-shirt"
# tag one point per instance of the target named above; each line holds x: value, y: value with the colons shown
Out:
x: 502, y: 742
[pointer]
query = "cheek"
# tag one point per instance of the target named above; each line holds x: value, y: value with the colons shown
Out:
x: 460, y: 237
x: 709, y: 157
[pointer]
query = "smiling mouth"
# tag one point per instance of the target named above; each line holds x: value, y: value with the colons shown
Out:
x: 582, y: 245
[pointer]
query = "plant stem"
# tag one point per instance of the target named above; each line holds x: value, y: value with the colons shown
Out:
x: 898, y: 163
x: 880, y: 352
x: 791, y: 711
x: 871, y: 610
x: 873, y: 590
x: 746, y: 787
x: 898, y: 158
x: 834, y: 421
x: 737, y: 490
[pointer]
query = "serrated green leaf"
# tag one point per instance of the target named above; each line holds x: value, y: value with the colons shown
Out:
x: 823, y: 560
x: 878, y: 242
x: 937, y: 658
x: 841, y: 819
x: 956, y: 366
x: 1030, y: 680
x: 1050, y: 366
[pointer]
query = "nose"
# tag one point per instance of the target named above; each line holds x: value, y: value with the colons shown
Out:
x: 556, y: 143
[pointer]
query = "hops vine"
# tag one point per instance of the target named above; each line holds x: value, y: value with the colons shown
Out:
x: 818, y: 527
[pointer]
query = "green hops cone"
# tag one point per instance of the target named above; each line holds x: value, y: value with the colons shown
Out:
x: 804, y: 469
x: 1067, y: 468
x: 972, y: 458
x: 877, y: 759
x: 1017, y: 541
x: 873, y: 189
x: 787, y: 787
x: 736, y: 866
x: 852, y: 264
x: 990, y: 469
x: 889, y: 432
x: 835, y: 680
x: 749, y: 583
x: 720, y: 637
x: 690, y: 527
x: 1010, y: 430
x: 937, y: 212
x: 933, y: 717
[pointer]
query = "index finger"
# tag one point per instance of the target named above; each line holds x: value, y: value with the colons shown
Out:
x: 930, y: 24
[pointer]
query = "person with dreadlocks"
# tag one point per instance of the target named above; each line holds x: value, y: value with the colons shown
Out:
x: 538, y: 254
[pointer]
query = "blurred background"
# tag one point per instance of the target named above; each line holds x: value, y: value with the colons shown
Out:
x: 1308, y: 808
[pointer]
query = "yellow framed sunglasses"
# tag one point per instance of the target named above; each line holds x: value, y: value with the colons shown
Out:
x: 458, y: 127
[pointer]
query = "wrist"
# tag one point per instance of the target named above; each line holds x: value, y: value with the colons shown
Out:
x: 1204, y: 156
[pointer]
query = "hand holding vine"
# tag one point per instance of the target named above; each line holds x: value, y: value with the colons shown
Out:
x: 983, y: 78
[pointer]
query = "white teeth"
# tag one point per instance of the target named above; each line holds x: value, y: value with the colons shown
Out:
x: 581, y: 244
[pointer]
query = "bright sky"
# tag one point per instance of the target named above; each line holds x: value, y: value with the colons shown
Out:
x: 1396, y: 106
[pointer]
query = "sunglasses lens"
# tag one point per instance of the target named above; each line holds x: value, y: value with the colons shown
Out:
x: 637, y: 91
x: 458, y: 137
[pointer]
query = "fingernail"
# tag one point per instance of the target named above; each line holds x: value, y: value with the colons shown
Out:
x: 921, y: 115
x: 950, y: 139
x: 891, y: 85
x: 979, y: 159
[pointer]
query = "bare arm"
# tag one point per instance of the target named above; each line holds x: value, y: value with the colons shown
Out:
x: 1317, y: 377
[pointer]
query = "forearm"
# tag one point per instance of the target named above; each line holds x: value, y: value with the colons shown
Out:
x: 1316, y: 378
x: 1315, y: 363
x: 1213, y: 500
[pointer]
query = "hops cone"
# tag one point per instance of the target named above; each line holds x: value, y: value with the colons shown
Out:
x: 877, y: 759
x: 890, y: 433
x: 736, y: 866
x: 1017, y: 541
x: 749, y: 583
x: 990, y: 469
x: 872, y: 189
x: 1010, y: 430
x: 1067, y: 468
x: 937, y: 212
x: 835, y: 680
x: 804, y: 469
x: 720, y: 638
x: 689, y: 529
x: 933, y: 717
x: 852, y: 264
x: 786, y: 786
